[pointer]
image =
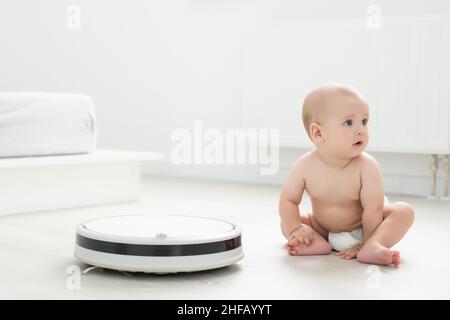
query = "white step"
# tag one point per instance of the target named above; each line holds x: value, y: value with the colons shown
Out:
x: 30, y: 184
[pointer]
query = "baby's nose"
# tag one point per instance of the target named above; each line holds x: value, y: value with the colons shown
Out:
x: 361, y: 130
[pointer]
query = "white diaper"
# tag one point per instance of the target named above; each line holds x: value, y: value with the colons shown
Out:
x: 345, y: 240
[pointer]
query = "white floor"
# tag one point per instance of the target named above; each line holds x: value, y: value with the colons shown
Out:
x: 36, y: 253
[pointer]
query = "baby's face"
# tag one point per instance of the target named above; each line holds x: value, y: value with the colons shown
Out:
x: 345, y: 129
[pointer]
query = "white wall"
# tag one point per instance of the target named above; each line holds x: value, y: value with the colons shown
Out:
x: 153, y: 66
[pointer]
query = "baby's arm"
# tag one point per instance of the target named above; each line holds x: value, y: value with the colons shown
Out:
x: 290, y: 198
x: 372, y: 197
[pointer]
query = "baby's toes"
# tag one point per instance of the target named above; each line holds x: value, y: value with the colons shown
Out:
x: 396, y: 259
x: 290, y: 249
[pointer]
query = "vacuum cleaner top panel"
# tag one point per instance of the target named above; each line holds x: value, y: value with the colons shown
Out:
x: 174, y: 229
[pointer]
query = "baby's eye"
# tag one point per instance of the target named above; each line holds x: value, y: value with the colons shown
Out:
x: 348, y: 123
x: 364, y: 122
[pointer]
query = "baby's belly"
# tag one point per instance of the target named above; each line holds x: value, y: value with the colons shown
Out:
x: 338, y: 219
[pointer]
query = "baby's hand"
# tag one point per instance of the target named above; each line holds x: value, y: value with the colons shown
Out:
x: 302, y: 236
x: 349, y: 253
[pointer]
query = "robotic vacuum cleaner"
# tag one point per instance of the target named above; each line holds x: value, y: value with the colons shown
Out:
x: 158, y: 244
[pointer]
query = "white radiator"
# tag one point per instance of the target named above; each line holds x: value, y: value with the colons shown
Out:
x: 403, y: 69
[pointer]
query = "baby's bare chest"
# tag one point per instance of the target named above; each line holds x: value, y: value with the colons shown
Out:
x: 333, y: 187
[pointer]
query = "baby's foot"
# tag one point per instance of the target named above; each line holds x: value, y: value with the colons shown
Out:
x: 317, y: 247
x: 296, y: 250
x: 292, y: 250
x: 375, y: 253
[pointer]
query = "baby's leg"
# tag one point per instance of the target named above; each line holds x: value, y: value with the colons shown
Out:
x: 397, y: 218
x: 319, y: 244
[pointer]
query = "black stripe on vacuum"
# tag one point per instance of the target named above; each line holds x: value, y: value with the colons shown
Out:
x: 158, y: 250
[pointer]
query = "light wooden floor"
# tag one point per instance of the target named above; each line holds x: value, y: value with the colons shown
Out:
x: 36, y: 252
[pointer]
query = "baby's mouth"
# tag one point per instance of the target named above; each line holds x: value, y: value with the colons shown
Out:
x: 358, y: 143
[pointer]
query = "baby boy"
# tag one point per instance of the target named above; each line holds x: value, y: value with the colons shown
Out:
x: 344, y: 183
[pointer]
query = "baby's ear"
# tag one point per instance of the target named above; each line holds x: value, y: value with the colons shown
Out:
x: 316, y: 134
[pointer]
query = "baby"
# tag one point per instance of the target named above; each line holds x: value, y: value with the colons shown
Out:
x: 344, y: 184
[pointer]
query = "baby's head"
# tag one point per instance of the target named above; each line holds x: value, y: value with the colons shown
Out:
x: 335, y: 117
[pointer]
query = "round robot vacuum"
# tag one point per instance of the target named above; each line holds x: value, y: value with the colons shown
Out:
x: 158, y: 244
